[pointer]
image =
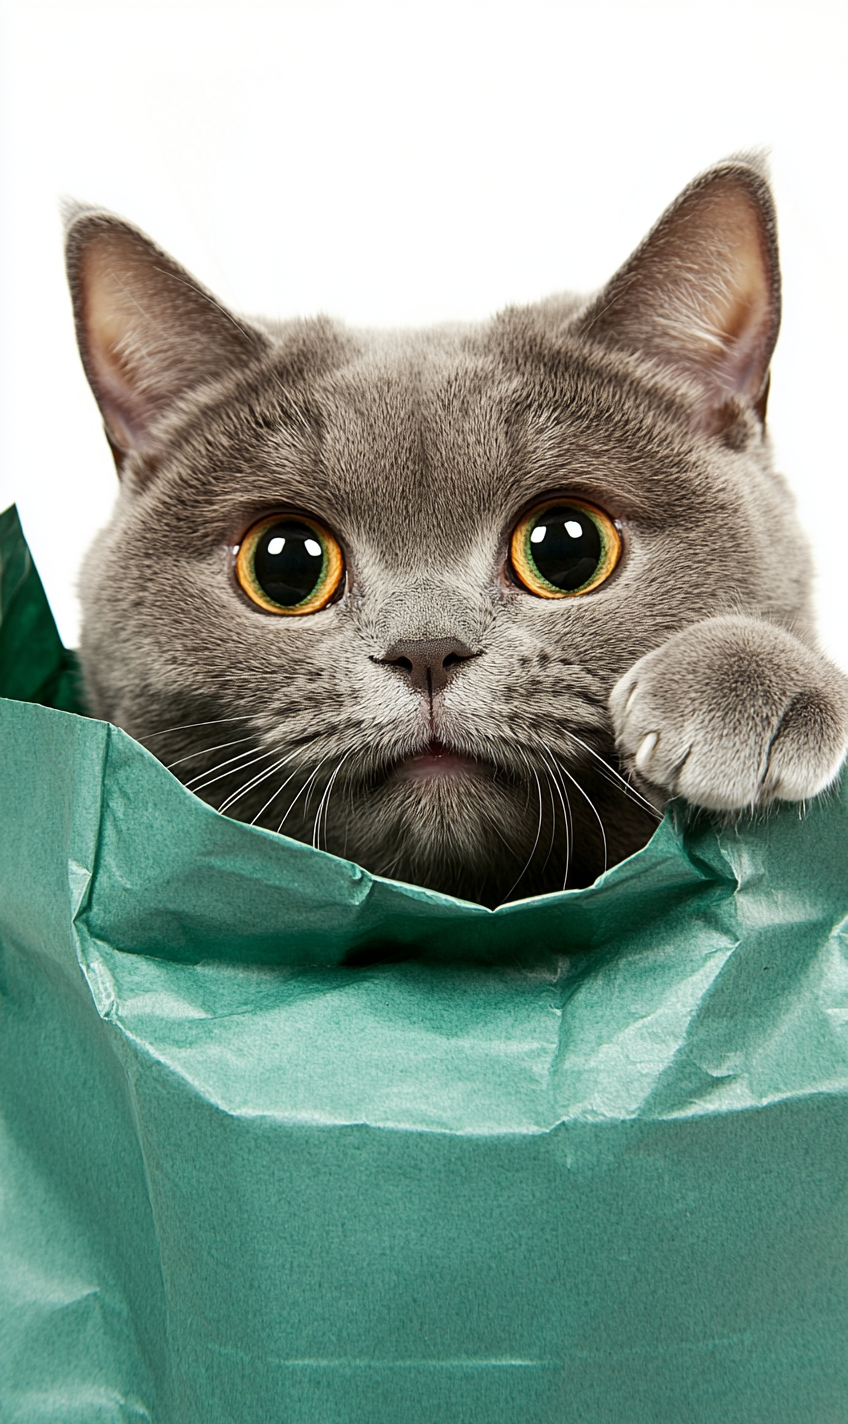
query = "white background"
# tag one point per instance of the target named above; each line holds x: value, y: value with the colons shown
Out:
x: 404, y: 163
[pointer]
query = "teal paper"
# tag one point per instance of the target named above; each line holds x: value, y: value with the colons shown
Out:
x: 578, y: 1159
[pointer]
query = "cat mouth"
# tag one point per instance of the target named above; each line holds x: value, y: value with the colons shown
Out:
x: 436, y: 762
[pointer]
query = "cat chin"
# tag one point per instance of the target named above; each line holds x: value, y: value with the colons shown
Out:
x: 481, y: 832
x: 465, y: 831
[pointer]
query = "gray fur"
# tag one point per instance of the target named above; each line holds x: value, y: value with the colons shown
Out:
x: 693, y: 670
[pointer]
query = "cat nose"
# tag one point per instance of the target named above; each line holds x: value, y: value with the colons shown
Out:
x: 428, y: 663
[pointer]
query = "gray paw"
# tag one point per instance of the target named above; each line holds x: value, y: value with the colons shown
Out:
x: 733, y: 713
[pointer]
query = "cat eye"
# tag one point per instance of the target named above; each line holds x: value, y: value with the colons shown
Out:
x: 289, y: 565
x: 564, y: 548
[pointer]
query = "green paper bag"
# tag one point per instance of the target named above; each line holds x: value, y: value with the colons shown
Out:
x: 581, y: 1158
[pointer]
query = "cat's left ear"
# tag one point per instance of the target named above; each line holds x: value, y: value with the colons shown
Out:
x: 150, y: 336
x: 701, y: 295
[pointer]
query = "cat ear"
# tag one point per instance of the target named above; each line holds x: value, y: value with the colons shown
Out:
x: 148, y: 333
x: 701, y: 295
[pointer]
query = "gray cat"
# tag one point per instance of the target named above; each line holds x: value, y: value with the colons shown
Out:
x: 465, y: 605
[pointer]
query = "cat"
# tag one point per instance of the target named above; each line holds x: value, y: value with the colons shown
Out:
x: 465, y: 605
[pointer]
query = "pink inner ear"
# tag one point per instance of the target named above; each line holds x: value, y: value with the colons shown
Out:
x: 701, y: 295
x: 126, y: 414
x: 115, y: 325
x: 148, y: 332
x: 738, y: 302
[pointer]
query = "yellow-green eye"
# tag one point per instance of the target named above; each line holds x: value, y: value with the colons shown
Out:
x: 289, y: 564
x: 564, y: 548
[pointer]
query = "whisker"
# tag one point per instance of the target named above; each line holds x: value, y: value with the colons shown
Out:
x: 208, y: 779
x: 325, y: 804
x: 280, y: 788
x: 303, y: 788
x: 207, y: 751
x: 255, y: 781
x: 316, y: 823
x: 592, y: 808
x: 562, y: 790
x: 538, y: 832
x: 310, y: 784
x: 187, y: 726
x: 627, y: 786
x: 553, y: 825
x: 332, y: 785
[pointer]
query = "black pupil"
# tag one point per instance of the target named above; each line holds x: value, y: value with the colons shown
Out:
x: 288, y: 561
x: 565, y: 546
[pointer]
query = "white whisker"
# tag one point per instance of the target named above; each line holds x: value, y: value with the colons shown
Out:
x: 562, y: 790
x: 280, y: 788
x: 627, y: 786
x: 553, y: 824
x: 303, y: 788
x: 188, y: 726
x: 325, y: 804
x: 538, y: 831
x: 255, y: 781
x: 591, y: 805
x: 208, y: 777
x: 207, y: 751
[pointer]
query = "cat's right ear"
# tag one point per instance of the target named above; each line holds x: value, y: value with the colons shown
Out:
x: 148, y: 333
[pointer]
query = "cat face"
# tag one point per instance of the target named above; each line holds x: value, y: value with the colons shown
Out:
x: 374, y: 589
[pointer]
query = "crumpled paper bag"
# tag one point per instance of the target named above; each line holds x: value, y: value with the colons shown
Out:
x: 582, y: 1158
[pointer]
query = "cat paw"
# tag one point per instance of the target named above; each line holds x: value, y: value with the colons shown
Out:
x: 732, y: 713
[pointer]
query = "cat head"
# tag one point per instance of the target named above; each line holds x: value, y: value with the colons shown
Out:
x: 374, y: 588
